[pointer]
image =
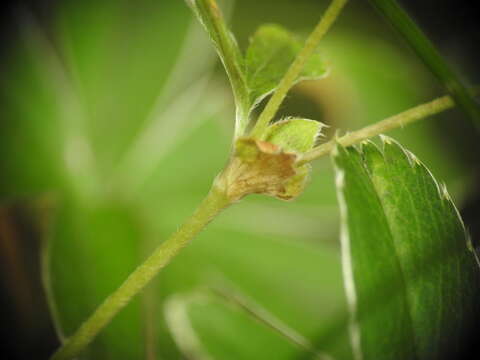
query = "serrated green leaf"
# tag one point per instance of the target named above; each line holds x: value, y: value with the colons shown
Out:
x: 409, y: 275
x: 294, y: 134
x: 227, y: 48
x: 271, y: 52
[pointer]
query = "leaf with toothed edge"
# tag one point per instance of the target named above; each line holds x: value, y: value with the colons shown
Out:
x: 409, y: 275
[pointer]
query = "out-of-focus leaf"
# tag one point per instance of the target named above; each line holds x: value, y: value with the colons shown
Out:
x: 207, y: 327
x: 409, y: 275
x: 59, y: 102
x: 283, y: 283
x: 271, y: 52
x: 92, y: 252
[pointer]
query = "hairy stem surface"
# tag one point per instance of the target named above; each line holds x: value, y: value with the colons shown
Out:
x: 418, y: 112
x: 213, y: 204
x: 288, y: 80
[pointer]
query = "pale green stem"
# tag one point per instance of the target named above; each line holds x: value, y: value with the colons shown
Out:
x: 208, y: 209
x: 419, y: 112
x: 295, y: 69
x: 212, y: 19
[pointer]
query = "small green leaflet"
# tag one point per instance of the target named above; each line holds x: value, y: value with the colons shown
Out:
x: 294, y: 134
x: 409, y: 275
x: 271, y: 51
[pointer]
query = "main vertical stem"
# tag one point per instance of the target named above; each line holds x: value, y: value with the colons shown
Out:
x: 215, y: 202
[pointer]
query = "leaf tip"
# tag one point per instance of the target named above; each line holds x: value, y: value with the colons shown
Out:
x: 368, y: 145
x: 371, y: 154
x: 444, y: 192
x: 392, y: 149
x: 415, y: 161
x: 386, y: 140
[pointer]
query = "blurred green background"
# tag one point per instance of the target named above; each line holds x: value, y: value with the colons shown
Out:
x: 115, y: 118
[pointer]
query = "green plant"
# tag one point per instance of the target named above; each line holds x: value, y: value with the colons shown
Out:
x: 386, y: 196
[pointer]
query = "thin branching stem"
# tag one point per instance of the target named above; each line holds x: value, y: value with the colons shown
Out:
x: 295, y: 69
x: 418, y: 112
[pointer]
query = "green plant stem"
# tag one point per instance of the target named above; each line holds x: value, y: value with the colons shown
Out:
x: 211, y: 206
x: 427, y: 52
x: 212, y: 19
x: 418, y: 112
x: 293, y: 72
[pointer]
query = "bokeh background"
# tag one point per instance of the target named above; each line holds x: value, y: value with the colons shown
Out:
x: 115, y: 117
